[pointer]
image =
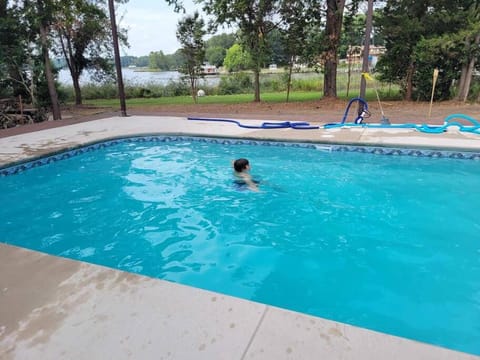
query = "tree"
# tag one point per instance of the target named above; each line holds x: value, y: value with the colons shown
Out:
x: 190, y: 33
x: 436, y: 53
x: 468, y: 67
x: 44, y: 11
x: 217, y: 46
x: 84, y: 39
x: 254, y: 19
x: 470, y: 37
x: 333, y: 29
x: 299, y: 20
x: 237, y: 59
x: 22, y: 56
x: 116, y: 51
x: 276, y: 51
x: 14, y: 39
x: 403, y: 24
x: 215, y: 55
x: 423, y: 35
x: 158, y: 60
x: 352, y: 38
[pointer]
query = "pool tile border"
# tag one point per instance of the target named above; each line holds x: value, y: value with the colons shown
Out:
x: 377, y: 150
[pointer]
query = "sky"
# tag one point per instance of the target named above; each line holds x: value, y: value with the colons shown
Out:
x: 151, y: 25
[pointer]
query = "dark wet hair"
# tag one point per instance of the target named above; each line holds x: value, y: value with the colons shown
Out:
x: 240, y: 164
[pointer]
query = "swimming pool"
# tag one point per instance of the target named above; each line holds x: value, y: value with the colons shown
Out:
x: 388, y: 243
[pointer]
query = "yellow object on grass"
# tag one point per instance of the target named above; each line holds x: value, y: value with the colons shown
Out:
x: 367, y: 76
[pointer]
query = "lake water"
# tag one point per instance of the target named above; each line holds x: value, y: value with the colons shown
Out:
x: 133, y: 76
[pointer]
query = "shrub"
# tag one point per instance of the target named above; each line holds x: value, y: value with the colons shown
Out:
x: 272, y: 84
x: 238, y: 83
x: 176, y: 88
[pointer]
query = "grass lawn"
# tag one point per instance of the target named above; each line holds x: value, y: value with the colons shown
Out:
x: 268, y: 97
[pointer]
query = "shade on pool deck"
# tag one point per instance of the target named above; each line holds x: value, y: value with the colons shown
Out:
x: 55, y: 308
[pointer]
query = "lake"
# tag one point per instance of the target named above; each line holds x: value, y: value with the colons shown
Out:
x: 132, y: 76
x: 135, y: 77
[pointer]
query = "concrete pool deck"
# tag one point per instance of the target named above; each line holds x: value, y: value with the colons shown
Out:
x: 55, y: 308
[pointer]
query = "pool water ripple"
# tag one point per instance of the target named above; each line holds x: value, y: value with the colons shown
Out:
x: 387, y: 243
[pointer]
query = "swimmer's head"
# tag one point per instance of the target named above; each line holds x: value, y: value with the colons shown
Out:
x: 240, y: 165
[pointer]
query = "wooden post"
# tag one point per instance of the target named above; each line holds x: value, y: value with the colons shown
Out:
x: 435, y: 77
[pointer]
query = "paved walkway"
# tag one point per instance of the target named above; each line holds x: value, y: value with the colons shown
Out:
x: 54, y: 308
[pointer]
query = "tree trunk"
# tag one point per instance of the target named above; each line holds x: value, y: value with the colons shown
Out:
x: 349, y: 72
x: 48, y: 69
x: 289, y: 80
x: 409, y: 82
x: 461, y: 83
x: 332, y: 30
x: 118, y: 65
x: 193, y: 87
x: 77, y: 89
x: 468, y: 79
x: 74, y: 72
x: 464, y: 89
x: 256, y: 84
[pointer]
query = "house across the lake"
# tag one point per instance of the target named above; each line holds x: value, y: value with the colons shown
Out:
x: 209, y: 69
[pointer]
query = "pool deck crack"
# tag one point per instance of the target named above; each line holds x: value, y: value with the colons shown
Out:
x: 254, y: 333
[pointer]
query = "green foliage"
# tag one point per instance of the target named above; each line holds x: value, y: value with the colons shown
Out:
x: 84, y: 39
x: 96, y: 91
x: 176, y: 88
x: 236, y: 59
x: 137, y: 61
x: 353, y: 34
x: 216, y: 48
x: 306, y: 85
x: 141, y: 61
x: 276, y: 51
x: 254, y: 20
x: 423, y: 35
x: 127, y: 61
x: 439, y: 53
x: 474, y: 94
x: 14, y: 53
x: 300, y: 30
x: 215, y: 51
x: 190, y: 33
x: 221, y: 40
x: 41, y: 99
x: 268, y: 97
x: 235, y: 84
x: 402, y: 24
x: 158, y: 60
x: 215, y: 55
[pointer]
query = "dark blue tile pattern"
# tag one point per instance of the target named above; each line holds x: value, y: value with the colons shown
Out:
x: 17, y: 168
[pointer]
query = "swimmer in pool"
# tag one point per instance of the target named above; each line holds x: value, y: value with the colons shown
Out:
x: 242, y: 175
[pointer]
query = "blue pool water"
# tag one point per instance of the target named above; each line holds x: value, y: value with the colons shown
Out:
x: 389, y: 243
